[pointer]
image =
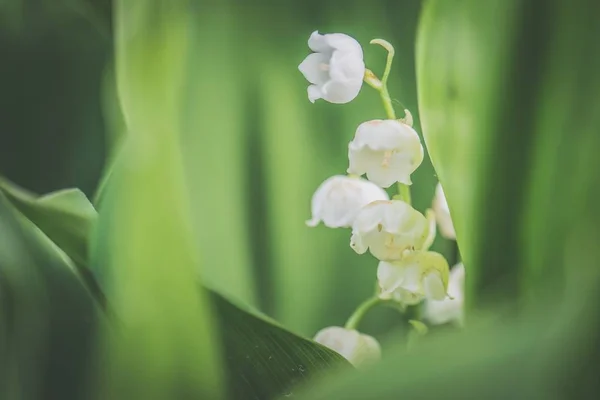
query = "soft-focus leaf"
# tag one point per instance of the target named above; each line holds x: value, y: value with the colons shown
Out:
x: 462, y: 115
x: 510, y: 132
x: 163, y: 340
x: 47, y: 317
x: 66, y: 217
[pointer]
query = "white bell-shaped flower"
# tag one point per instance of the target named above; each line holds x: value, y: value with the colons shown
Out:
x: 442, y: 214
x: 388, y: 229
x: 336, y: 68
x: 388, y: 151
x: 419, y: 275
x: 450, y: 309
x: 358, y: 348
x: 339, y: 198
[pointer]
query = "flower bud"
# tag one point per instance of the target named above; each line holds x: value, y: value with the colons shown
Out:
x: 358, y: 348
x: 339, y: 198
x: 419, y: 275
x: 388, y: 151
x: 450, y: 309
x: 442, y: 214
x: 336, y: 68
x: 388, y: 229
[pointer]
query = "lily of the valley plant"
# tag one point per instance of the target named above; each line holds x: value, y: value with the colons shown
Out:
x: 386, y: 152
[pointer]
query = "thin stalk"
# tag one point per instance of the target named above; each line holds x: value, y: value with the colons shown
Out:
x: 361, y: 311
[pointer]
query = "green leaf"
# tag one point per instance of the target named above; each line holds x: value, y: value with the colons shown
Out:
x: 66, y: 217
x: 264, y: 360
x: 163, y: 341
x: 463, y: 118
x: 498, y: 107
x: 47, y: 317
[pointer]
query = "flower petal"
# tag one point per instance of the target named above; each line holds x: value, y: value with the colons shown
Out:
x: 442, y: 214
x: 357, y: 243
x: 345, y: 43
x: 451, y: 308
x: 339, y: 199
x: 341, y: 92
x: 362, y: 160
x: 318, y: 43
x: 433, y: 286
x: 383, y: 176
x: 346, y: 67
x: 389, y: 276
x: 314, y: 93
x: 315, y: 68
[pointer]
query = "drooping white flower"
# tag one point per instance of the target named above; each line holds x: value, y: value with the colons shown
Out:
x: 442, y: 214
x: 388, y: 229
x: 419, y: 275
x: 336, y: 68
x: 388, y: 151
x: 358, y: 348
x: 450, y: 309
x: 339, y: 198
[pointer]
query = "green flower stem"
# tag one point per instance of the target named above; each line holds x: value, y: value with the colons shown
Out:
x: 383, y: 90
x: 387, y: 102
x: 361, y: 311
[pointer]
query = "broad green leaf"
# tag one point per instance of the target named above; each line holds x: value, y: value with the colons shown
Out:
x: 66, y: 217
x: 498, y: 106
x: 264, y: 360
x: 47, y: 317
x: 463, y: 118
x: 163, y: 342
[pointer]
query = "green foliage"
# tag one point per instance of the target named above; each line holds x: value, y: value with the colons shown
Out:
x: 265, y: 361
x: 163, y: 328
x: 221, y: 153
x: 47, y: 317
x: 66, y: 217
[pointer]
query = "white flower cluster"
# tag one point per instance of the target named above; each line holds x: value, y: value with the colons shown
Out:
x: 386, y: 152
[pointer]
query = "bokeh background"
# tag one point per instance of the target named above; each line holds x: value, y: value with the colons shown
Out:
x: 255, y: 147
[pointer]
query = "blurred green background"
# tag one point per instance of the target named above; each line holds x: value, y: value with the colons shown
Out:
x: 255, y: 147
